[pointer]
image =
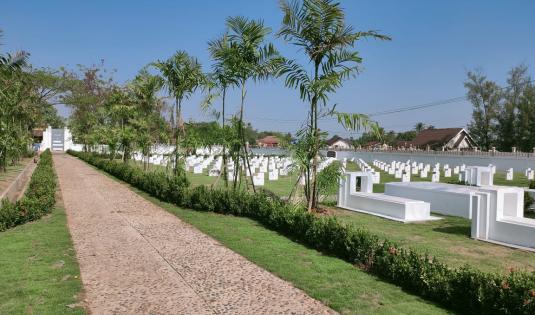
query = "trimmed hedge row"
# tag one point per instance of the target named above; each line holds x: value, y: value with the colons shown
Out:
x: 38, y: 199
x: 465, y: 290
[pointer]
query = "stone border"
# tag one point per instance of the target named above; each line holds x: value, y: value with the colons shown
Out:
x: 18, y: 186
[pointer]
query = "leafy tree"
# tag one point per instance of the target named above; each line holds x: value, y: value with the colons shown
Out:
x: 18, y: 109
x: 526, y: 119
x: 485, y: 97
x: 87, y: 91
x: 507, y: 123
x: 149, y: 124
x: 406, y: 136
x: 419, y: 127
x: 318, y: 28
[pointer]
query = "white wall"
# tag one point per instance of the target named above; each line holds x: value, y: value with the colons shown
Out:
x: 47, y: 139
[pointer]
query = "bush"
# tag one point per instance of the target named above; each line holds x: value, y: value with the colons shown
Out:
x: 463, y: 289
x: 528, y: 201
x: 39, y: 199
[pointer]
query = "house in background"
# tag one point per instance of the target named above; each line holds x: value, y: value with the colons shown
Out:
x: 337, y: 142
x: 268, y: 142
x: 447, y: 139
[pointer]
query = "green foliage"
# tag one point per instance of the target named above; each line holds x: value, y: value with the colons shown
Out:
x: 502, y: 116
x: 38, y: 200
x: 464, y: 289
x: 318, y: 28
x: 24, y: 104
x: 528, y: 201
x: 329, y: 179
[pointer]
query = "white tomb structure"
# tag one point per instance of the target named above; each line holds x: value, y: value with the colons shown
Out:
x: 356, y: 194
x: 478, y: 175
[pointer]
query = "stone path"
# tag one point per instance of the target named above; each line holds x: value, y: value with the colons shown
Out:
x: 136, y: 258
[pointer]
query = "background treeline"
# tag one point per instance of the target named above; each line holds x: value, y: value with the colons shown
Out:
x: 503, y: 116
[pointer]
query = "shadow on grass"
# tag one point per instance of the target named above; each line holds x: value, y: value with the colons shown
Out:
x: 454, y: 229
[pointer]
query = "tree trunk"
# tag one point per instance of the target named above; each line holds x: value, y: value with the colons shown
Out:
x: 225, y: 173
x: 244, y: 146
x: 312, y: 202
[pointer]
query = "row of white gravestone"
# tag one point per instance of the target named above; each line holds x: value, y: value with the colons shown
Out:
x: 258, y: 166
x: 404, y: 170
x: 364, y: 167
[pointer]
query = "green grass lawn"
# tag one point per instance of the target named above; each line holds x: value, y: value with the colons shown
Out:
x: 281, y: 187
x: 39, y: 273
x: 447, y: 239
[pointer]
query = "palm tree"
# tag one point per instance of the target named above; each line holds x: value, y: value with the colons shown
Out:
x: 221, y: 78
x: 183, y: 76
x: 318, y: 28
x: 144, y: 89
x: 253, y: 59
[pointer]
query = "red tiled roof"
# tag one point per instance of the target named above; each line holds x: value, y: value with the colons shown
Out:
x: 434, y: 136
x: 268, y: 140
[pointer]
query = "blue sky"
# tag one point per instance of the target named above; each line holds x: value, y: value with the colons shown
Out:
x: 434, y: 44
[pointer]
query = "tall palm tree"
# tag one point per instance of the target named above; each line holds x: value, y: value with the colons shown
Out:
x: 253, y: 59
x: 149, y: 122
x: 318, y: 28
x: 222, y: 77
x: 182, y: 76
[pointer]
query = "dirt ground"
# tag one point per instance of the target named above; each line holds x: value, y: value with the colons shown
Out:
x: 136, y: 258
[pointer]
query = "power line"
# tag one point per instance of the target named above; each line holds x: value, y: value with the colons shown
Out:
x: 405, y: 109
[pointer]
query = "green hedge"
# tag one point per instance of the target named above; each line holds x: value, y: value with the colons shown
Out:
x: 38, y: 199
x: 465, y: 290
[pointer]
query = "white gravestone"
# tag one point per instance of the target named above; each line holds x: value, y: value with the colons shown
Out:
x: 197, y: 169
x: 258, y: 179
x: 509, y: 174
x: 447, y: 172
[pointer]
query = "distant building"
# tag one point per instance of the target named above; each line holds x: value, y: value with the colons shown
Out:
x: 337, y: 142
x: 448, y: 139
x: 268, y: 142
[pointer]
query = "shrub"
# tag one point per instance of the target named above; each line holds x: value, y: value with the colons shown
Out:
x: 463, y: 289
x: 38, y: 200
x: 528, y: 201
